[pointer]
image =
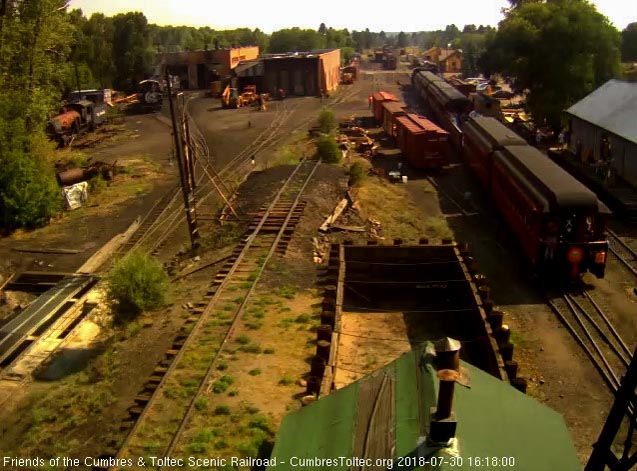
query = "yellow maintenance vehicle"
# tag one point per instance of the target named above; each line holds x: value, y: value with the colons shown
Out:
x: 230, y: 97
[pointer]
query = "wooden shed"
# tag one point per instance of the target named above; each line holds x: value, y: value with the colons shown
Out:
x: 424, y: 145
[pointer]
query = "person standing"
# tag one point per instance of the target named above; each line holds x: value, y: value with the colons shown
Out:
x: 370, y: 99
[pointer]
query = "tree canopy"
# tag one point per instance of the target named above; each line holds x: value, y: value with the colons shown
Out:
x: 35, y: 42
x: 558, y: 51
x: 629, y: 43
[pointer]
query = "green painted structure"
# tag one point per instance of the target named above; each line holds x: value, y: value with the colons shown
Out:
x: 384, y: 418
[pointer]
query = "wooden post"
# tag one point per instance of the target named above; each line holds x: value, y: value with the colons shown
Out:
x: 189, y: 205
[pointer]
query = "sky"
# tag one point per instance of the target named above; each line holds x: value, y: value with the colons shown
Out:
x: 405, y: 15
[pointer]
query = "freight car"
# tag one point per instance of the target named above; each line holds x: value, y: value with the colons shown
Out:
x: 378, y: 99
x: 448, y: 105
x: 424, y: 145
x: 558, y: 222
x: 76, y: 118
x: 391, y: 110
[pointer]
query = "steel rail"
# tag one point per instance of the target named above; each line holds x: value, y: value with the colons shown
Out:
x: 206, y: 385
x: 626, y: 247
x: 204, y: 316
x: 605, y: 376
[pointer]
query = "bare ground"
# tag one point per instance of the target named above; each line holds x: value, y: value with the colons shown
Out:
x: 53, y: 420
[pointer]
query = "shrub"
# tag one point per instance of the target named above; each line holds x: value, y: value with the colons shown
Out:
x: 97, y: 184
x: 286, y: 381
x: 327, y: 122
x: 222, y: 384
x: 255, y: 372
x: 357, y: 174
x: 222, y: 410
x: 260, y: 422
x: 137, y: 282
x: 328, y: 150
x: 29, y: 194
x: 252, y: 348
x: 201, y: 404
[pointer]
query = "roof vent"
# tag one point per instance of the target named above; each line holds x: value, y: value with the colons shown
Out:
x: 447, y: 354
x: 442, y: 428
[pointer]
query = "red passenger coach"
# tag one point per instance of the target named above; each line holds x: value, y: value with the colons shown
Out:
x: 558, y: 222
x: 483, y: 136
x: 391, y: 111
x: 378, y: 99
x: 424, y: 145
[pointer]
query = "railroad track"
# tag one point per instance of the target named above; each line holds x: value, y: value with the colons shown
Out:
x: 585, y: 318
x: 166, y: 409
x: 622, y: 251
x: 167, y: 214
x: 458, y: 201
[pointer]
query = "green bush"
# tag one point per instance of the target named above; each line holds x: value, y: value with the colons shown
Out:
x: 29, y: 194
x: 97, y: 184
x: 136, y: 283
x: 328, y: 150
x: 327, y: 122
x: 357, y: 174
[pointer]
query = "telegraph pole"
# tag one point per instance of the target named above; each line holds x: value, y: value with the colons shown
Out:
x: 186, y: 179
x: 602, y: 456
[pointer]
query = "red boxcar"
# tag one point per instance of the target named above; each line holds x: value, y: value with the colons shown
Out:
x: 378, y: 99
x: 391, y: 111
x: 424, y: 145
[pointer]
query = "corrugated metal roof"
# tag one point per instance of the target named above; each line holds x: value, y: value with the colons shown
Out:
x: 612, y: 107
x: 245, y: 65
x: 426, y: 124
x: 493, y: 418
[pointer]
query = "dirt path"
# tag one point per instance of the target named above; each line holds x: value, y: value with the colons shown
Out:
x: 88, y: 228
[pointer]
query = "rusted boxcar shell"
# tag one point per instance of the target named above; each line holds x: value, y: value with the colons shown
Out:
x: 378, y: 98
x: 424, y: 145
x: 391, y: 110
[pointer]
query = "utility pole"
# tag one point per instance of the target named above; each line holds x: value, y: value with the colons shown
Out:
x: 624, y: 406
x: 185, y: 174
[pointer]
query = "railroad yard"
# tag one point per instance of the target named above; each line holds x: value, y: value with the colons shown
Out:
x: 214, y: 373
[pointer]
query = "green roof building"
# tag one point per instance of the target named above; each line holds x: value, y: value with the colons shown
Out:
x: 391, y: 419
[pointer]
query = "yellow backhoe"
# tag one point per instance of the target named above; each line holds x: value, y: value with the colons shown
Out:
x: 230, y: 98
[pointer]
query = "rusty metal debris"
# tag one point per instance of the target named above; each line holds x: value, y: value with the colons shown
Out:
x: 77, y: 175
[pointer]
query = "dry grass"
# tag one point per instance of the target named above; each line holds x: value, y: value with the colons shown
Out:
x: 264, y: 382
x: 291, y: 150
x: 399, y: 215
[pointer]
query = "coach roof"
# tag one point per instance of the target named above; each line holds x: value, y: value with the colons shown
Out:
x: 494, y: 131
x: 564, y: 192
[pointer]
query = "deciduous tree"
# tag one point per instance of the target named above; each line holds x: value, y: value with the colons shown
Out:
x: 559, y: 51
x: 629, y: 43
